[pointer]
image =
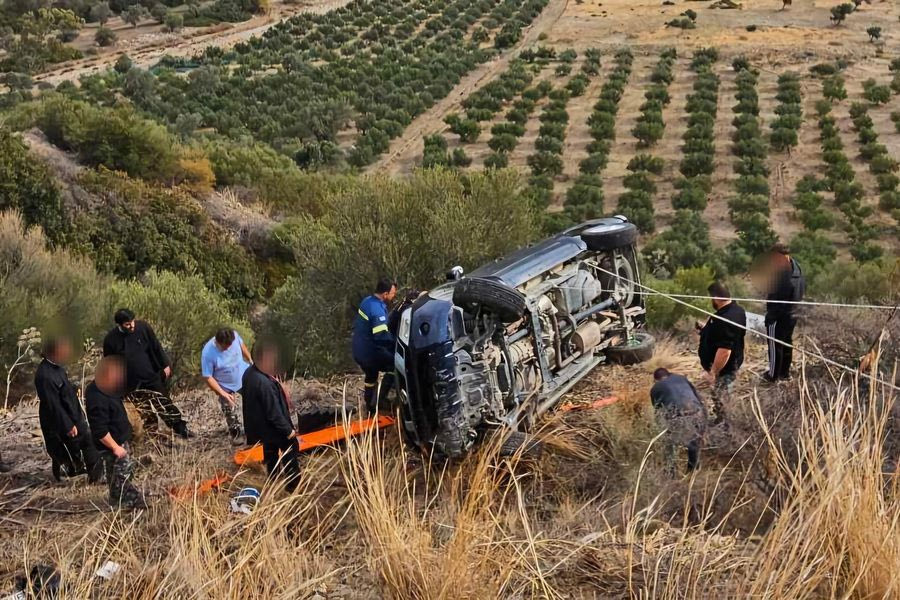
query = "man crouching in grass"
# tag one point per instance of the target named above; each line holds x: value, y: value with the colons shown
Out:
x: 682, y: 414
x: 112, y: 431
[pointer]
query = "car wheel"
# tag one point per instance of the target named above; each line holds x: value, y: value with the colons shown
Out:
x: 628, y: 276
x: 635, y: 350
x: 520, y: 444
x: 505, y: 302
x: 601, y: 238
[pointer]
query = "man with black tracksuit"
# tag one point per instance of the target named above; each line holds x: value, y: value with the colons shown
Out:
x: 721, y: 349
x: 682, y: 414
x: 111, y: 431
x: 267, y: 415
x: 66, y: 433
x: 373, y: 343
x: 147, y: 369
x: 786, y: 286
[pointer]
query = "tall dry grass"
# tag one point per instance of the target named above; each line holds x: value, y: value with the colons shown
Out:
x: 372, y: 521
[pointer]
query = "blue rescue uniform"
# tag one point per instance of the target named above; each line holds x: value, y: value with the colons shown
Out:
x: 373, y: 347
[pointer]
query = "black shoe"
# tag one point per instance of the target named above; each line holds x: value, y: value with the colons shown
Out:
x: 182, y: 431
x: 5, y: 467
x: 56, y: 469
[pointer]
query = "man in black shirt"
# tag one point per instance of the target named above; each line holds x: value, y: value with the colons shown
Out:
x: 681, y: 414
x: 267, y: 415
x: 111, y: 431
x: 786, y: 286
x: 147, y: 368
x: 721, y: 349
x: 66, y: 432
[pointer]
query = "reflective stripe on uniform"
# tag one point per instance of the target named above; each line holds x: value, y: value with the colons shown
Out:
x: 370, y: 385
x: 362, y: 314
x: 379, y: 329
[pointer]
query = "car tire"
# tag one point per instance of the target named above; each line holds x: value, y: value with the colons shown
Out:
x: 602, y: 238
x: 505, y: 302
x: 639, y: 349
x: 518, y: 443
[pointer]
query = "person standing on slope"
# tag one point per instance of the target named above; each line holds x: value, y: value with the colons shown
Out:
x: 373, y: 343
x: 721, y: 349
x: 63, y: 424
x: 786, y: 287
x: 223, y: 361
x: 147, y: 368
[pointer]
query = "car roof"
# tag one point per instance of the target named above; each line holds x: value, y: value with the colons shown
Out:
x: 529, y: 262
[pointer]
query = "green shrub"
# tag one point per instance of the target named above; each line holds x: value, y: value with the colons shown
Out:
x: 646, y: 162
x: 545, y: 163
x: 815, y: 252
x: 745, y: 204
x: 422, y: 226
x: 664, y: 314
x: 697, y: 164
x: 28, y: 187
x: 783, y: 138
x: 53, y: 290
x: 594, y: 163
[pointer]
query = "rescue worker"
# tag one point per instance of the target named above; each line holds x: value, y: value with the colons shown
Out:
x: 682, y: 414
x: 721, y: 348
x: 786, y: 286
x: 267, y: 415
x: 67, y: 436
x: 223, y: 361
x: 147, y: 369
x: 394, y: 318
x: 373, y: 343
x: 112, y: 432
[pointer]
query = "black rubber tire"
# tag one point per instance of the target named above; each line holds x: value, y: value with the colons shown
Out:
x: 518, y: 443
x: 610, y: 237
x: 507, y: 303
x: 627, y: 271
x: 638, y: 351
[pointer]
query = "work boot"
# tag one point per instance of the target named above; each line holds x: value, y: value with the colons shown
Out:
x: 237, y: 437
x: 56, y: 469
x: 182, y: 431
x: 5, y: 467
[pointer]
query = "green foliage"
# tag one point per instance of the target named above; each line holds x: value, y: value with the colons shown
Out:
x: 411, y: 229
x: 691, y: 195
x: 26, y: 186
x: 496, y: 160
x: 876, y: 94
x: 815, y: 252
x: 117, y: 139
x: 637, y: 205
x: 467, y: 129
x: 53, y: 290
x: 138, y: 226
x: 31, y: 42
x: 105, y: 37
x: 783, y: 138
x: 173, y: 21
x: 840, y: 12
x: 646, y: 162
x: 685, y: 244
x: 662, y: 313
x: 435, y: 153
x: 545, y: 163
x: 875, y: 281
x: 169, y: 302
x: 874, y: 33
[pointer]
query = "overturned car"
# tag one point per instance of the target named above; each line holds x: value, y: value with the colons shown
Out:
x: 500, y: 346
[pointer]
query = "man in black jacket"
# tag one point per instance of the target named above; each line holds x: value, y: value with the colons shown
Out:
x: 147, y: 369
x: 66, y: 432
x: 721, y: 349
x: 111, y: 431
x: 786, y: 287
x: 682, y: 414
x: 267, y: 415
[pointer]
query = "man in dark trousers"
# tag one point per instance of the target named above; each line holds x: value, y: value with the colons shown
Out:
x: 681, y: 413
x: 66, y: 433
x: 721, y: 349
x: 147, y: 368
x: 267, y: 415
x: 786, y: 287
x: 373, y: 343
x: 111, y: 431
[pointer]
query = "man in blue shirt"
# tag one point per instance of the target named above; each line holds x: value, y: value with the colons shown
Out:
x: 373, y: 343
x: 681, y: 413
x: 223, y: 361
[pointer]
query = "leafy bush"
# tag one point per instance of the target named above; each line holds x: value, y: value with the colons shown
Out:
x: 27, y: 186
x: 645, y: 162
x: 105, y: 37
x: 696, y: 164
x: 662, y: 313
x: 53, y: 290
x: 423, y: 225
x: 815, y: 252
x: 545, y: 163
x: 467, y: 129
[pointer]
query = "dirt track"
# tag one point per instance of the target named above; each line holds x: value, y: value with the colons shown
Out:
x: 191, y: 42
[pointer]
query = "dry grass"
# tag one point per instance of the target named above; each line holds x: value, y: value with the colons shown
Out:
x: 593, y: 517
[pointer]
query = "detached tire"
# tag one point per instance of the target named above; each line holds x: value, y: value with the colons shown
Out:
x: 505, y: 302
x: 601, y: 238
x: 637, y: 350
x: 520, y: 444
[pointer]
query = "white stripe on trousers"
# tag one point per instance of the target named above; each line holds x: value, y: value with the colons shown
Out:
x: 772, y: 342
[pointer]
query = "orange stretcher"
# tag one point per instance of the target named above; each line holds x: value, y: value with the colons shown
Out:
x: 321, y: 437
x: 183, y: 492
x: 599, y: 403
